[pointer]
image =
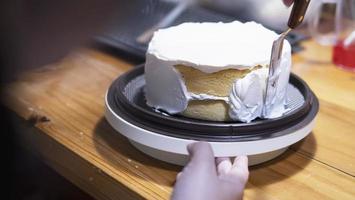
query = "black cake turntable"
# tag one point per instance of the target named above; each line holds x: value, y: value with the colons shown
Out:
x: 165, y: 136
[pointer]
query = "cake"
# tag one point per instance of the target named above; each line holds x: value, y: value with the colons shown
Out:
x: 214, y: 71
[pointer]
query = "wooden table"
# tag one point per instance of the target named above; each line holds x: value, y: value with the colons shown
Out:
x: 63, y: 105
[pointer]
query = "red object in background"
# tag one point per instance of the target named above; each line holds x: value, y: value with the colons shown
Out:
x: 344, y: 57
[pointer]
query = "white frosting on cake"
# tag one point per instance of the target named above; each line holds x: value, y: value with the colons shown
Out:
x: 212, y: 47
x: 246, y: 99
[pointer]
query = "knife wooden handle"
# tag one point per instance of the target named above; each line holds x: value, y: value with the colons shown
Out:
x: 298, y: 12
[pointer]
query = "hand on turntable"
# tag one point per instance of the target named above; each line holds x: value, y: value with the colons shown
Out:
x: 205, y: 177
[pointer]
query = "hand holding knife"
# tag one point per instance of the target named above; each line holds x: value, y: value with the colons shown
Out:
x: 296, y: 17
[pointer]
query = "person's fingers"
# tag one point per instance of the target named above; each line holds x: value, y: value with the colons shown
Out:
x: 241, y: 162
x: 288, y: 3
x: 178, y: 175
x: 199, y: 177
x: 240, y: 168
x: 224, y: 165
x: 201, y: 153
x: 233, y: 183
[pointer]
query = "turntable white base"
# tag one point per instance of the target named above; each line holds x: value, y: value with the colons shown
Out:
x: 173, y: 150
x: 181, y: 159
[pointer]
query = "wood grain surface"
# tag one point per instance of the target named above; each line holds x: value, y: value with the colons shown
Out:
x: 59, y: 111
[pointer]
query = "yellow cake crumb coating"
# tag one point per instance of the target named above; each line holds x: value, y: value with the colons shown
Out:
x: 217, y: 84
x: 214, y: 110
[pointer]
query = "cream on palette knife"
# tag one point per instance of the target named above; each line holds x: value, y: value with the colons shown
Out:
x: 212, y: 48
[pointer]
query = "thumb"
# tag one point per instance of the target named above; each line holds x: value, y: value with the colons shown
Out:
x: 198, y: 179
x: 201, y: 156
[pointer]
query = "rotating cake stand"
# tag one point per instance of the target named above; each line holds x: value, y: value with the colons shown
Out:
x: 165, y: 137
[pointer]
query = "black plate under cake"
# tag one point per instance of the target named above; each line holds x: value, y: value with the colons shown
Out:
x: 127, y: 99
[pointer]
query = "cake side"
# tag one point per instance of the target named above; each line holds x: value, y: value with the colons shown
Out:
x: 217, y: 89
x: 212, y: 110
x: 203, y: 87
x: 216, y: 83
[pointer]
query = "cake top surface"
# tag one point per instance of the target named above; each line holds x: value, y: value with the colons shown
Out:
x: 212, y: 46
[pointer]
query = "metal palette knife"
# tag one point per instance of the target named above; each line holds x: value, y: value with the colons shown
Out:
x: 297, y: 15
